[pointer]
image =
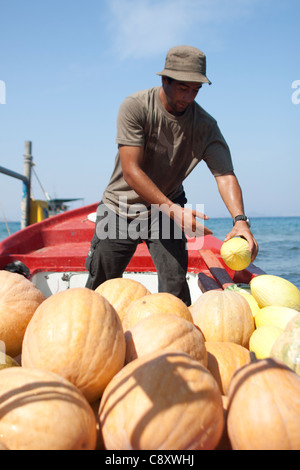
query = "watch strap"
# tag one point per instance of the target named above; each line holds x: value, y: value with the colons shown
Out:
x: 241, y: 217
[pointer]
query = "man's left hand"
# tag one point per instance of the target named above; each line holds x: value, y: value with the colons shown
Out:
x: 241, y: 229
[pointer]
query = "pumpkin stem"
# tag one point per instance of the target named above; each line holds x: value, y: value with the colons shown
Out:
x: 253, y: 357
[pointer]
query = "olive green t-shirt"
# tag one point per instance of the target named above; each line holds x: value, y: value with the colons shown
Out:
x: 173, y: 146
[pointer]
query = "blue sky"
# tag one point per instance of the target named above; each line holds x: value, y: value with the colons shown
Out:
x: 68, y: 64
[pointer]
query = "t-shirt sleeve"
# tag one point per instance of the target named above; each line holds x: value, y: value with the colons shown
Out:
x: 130, y: 123
x: 217, y: 153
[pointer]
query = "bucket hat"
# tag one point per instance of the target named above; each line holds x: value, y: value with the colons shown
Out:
x: 186, y: 64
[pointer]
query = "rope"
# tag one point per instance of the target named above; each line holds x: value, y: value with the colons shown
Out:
x: 3, y: 214
x: 45, y: 193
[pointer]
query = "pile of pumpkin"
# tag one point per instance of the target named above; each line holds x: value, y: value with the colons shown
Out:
x: 120, y: 368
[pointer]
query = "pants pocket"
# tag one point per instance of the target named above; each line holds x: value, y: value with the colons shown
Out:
x: 90, y: 255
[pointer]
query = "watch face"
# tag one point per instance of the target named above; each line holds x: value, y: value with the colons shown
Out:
x: 242, y: 217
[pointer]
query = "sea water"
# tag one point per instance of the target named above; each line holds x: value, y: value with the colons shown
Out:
x: 278, y: 239
x: 8, y: 228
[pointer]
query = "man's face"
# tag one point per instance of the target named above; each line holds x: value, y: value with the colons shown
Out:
x: 179, y: 95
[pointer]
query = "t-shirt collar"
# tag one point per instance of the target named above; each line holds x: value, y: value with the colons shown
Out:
x: 183, y: 117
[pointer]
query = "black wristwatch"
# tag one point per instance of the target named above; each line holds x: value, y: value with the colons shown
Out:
x: 242, y: 217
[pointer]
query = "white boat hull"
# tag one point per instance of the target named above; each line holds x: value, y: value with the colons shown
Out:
x: 53, y: 282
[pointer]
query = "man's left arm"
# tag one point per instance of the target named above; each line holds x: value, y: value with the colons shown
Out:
x: 231, y: 194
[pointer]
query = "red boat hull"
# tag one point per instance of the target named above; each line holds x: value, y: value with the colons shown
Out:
x: 61, y: 244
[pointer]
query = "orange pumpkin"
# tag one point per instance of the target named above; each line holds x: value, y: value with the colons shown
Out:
x: 224, y: 316
x: 19, y: 299
x: 162, y: 401
x: 78, y: 335
x: 162, y: 302
x: 42, y: 411
x: 120, y: 292
x: 224, y: 443
x: 165, y: 331
x: 264, y: 407
x: 224, y: 359
x: 95, y: 407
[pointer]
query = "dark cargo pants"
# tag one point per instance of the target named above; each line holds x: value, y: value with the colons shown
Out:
x: 115, y: 241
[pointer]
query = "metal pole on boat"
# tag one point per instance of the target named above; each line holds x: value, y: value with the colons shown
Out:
x: 25, y: 204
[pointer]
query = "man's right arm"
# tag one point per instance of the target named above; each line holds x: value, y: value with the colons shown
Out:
x: 138, y: 180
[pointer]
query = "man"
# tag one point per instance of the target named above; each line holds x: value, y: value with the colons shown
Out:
x: 162, y: 134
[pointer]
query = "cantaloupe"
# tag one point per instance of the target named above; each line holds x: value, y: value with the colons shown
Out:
x: 42, y: 411
x: 161, y: 302
x: 121, y: 292
x: 165, y: 331
x: 76, y: 334
x: 19, y: 299
x: 162, y: 401
x: 223, y: 316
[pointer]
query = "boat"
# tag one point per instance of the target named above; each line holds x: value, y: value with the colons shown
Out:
x: 52, y: 253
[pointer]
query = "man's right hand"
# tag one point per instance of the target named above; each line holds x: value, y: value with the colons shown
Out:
x: 186, y: 219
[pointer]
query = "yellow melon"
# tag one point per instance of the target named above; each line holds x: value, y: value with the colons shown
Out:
x: 235, y: 253
x: 7, y: 361
x: 273, y: 315
x: 263, y: 339
x: 269, y: 290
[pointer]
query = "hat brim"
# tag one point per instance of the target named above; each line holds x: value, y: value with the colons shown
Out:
x: 185, y: 76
